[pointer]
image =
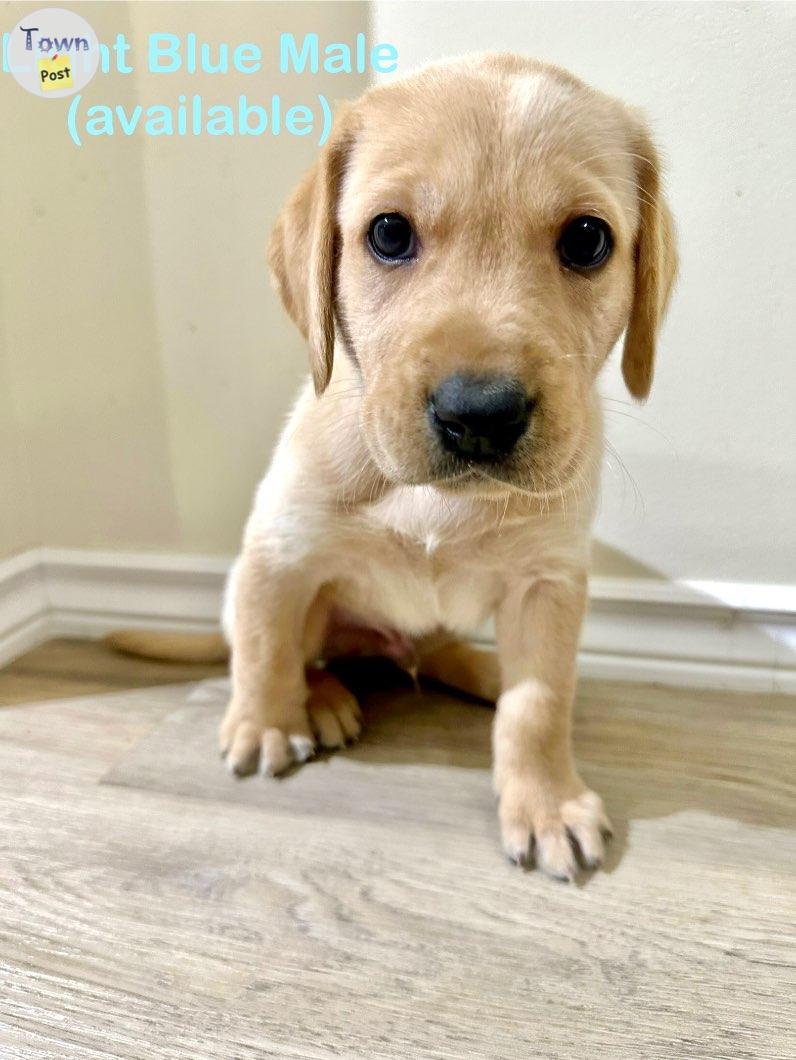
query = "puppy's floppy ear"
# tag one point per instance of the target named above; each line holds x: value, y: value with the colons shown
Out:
x: 302, y: 250
x: 656, y: 266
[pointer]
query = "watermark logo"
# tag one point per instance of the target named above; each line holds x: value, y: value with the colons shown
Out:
x: 52, y: 52
x: 55, y: 73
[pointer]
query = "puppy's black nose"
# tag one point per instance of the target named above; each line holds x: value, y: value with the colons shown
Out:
x: 479, y: 418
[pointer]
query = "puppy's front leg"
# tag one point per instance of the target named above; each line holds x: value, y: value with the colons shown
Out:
x: 543, y: 802
x: 267, y: 714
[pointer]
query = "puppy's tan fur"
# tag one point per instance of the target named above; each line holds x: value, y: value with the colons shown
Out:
x: 360, y: 514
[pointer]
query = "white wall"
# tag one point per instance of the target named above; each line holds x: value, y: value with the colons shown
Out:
x: 713, y: 453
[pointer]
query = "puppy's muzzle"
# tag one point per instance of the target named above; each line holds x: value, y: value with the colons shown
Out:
x: 479, y: 418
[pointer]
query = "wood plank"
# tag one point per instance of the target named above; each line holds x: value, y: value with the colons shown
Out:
x: 69, y: 667
x: 151, y: 905
x: 638, y: 740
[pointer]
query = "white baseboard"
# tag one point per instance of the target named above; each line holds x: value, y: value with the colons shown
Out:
x: 70, y: 592
x: 24, y: 619
x: 698, y: 634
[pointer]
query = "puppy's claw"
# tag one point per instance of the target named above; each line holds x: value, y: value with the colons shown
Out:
x: 303, y: 747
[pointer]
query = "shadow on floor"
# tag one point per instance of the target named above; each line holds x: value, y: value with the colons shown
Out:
x: 651, y: 751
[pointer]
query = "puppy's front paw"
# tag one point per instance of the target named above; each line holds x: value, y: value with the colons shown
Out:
x: 248, y: 739
x: 331, y: 716
x: 557, y: 830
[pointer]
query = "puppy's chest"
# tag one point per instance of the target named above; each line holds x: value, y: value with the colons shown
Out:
x: 421, y: 575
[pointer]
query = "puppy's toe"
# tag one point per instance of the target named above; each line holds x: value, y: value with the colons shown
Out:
x: 349, y: 716
x: 327, y: 726
x: 333, y: 711
x: 555, y: 856
x: 589, y: 845
x: 280, y: 750
x: 588, y: 827
x: 518, y: 844
x: 276, y: 754
x: 243, y: 747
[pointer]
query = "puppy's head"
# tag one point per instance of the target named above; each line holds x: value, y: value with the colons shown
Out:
x: 477, y: 237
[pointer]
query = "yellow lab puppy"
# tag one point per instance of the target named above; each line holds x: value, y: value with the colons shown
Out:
x: 462, y: 257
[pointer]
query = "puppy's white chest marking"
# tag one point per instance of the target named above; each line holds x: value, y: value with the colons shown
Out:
x: 431, y: 543
x: 404, y: 590
x: 422, y: 573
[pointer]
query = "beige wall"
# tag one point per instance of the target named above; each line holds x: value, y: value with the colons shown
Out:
x: 147, y: 363
x: 16, y: 522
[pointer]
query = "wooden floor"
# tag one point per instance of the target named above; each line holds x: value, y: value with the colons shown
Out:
x: 64, y: 668
x: 151, y: 906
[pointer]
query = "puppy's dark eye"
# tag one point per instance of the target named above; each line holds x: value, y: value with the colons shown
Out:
x: 391, y: 237
x: 585, y: 243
